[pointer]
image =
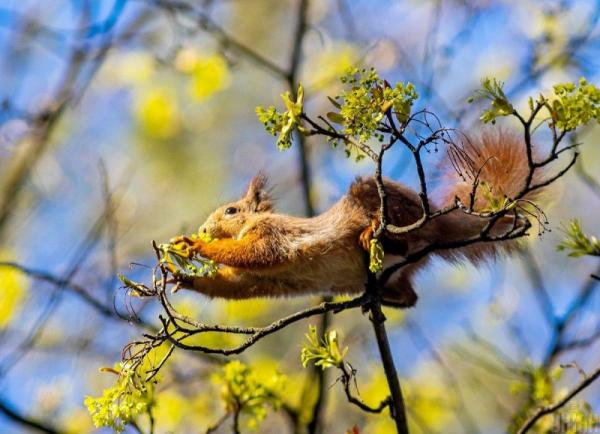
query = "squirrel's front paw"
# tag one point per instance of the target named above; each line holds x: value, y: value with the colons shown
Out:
x: 367, y: 234
x: 181, y: 239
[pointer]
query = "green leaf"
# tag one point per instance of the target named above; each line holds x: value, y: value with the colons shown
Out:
x: 376, y: 255
x: 577, y: 242
x: 336, y: 104
x: 386, y: 106
x: 324, y: 352
x: 119, y: 405
x: 492, y: 90
x: 135, y: 289
x: 250, y: 390
x: 283, y: 124
x: 575, y: 105
x: 335, y: 117
x: 367, y: 99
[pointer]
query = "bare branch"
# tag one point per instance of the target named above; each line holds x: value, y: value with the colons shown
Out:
x: 205, y: 23
x: 11, y: 413
x: 348, y: 374
x: 262, y: 332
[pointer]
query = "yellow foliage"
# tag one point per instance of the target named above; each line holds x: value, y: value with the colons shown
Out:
x: 209, y: 76
x: 293, y: 396
x: 553, y: 29
x: 550, y: 25
x: 188, y: 306
x: 264, y: 365
x: 215, y: 340
x: 330, y: 64
x: 186, y: 60
x: 233, y: 311
x: 170, y: 410
x: 395, y: 316
x: 157, y: 112
x: 12, y: 294
x: 244, y: 310
x: 78, y: 422
x: 133, y: 68
x: 250, y: 390
x: 379, y: 424
x: 130, y: 397
x: 154, y: 357
x: 425, y: 395
x: 429, y: 399
x: 178, y: 413
x: 372, y: 391
x: 376, y: 388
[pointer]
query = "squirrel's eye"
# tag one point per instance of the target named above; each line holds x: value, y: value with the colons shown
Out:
x: 231, y: 210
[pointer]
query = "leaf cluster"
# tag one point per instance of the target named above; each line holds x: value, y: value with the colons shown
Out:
x: 577, y: 242
x: 367, y: 100
x: 324, y: 352
x: 282, y: 124
x: 495, y: 200
x: 492, y: 90
x: 181, y: 258
x: 570, y: 106
x: 247, y: 390
x: 119, y: 405
x: 538, y: 388
x: 577, y: 416
x: 361, y: 109
x: 575, y: 105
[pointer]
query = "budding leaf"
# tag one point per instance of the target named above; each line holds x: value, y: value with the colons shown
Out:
x: 335, y: 117
x: 368, y: 98
x: 492, y: 90
x: 376, y: 255
x: 577, y: 242
x: 575, y: 105
x: 324, y: 352
x: 119, y: 405
x: 250, y: 391
x: 336, y: 104
x: 283, y: 124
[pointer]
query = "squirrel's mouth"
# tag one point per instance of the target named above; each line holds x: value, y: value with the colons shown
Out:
x: 205, y: 230
x: 211, y: 230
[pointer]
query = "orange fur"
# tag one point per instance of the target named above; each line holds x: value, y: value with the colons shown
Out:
x: 252, y: 251
x: 264, y: 253
x: 499, y: 160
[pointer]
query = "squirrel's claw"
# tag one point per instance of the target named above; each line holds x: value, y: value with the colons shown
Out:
x: 367, y: 234
x: 365, y: 238
x: 179, y: 239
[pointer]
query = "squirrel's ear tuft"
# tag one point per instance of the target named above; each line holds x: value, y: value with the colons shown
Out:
x: 257, y: 197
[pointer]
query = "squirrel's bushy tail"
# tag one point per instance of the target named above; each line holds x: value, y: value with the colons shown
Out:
x: 496, y: 160
x: 496, y: 163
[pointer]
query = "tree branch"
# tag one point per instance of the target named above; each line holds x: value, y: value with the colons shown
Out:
x: 10, y: 412
x: 397, y: 406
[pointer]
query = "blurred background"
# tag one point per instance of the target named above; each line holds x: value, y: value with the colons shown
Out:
x: 127, y: 121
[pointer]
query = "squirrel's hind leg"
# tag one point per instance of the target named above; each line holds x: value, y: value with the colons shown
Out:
x: 400, y: 294
x: 399, y: 291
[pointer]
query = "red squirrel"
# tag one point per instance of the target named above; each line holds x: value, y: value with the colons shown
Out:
x: 266, y: 254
